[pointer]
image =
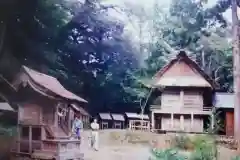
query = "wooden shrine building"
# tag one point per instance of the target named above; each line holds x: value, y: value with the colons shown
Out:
x: 224, y: 103
x: 136, y: 121
x: 182, y: 96
x: 118, y: 121
x: 105, y: 120
x: 45, y: 117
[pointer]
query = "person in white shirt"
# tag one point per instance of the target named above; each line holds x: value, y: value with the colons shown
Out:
x: 94, y: 135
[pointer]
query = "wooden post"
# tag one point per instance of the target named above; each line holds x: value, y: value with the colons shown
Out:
x: 153, y: 121
x: 70, y: 117
x: 43, y: 136
x: 19, y: 131
x: 182, y: 122
x: 212, y: 121
x: 172, y: 121
x: 181, y: 99
x: 56, y: 116
x: 192, y: 119
x: 30, y: 139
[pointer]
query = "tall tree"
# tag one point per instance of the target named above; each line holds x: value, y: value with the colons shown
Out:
x: 236, y: 69
x: 94, y: 53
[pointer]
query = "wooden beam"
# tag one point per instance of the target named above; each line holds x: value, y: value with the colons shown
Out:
x: 153, y: 120
x: 30, y: 139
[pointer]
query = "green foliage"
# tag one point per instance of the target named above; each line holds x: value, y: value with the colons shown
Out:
x: 8, y: 131
x: 182, y: 141
x: 202, y: 141
x: 218, y: 124
x: 202, y: 154
x: 204, y: 148
x: 168, y: 154
x: 200, y: 147
x: 236, y: 158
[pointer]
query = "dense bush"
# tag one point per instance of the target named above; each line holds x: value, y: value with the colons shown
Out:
x: 168, y: 154
x: 7, y: 137
x: 199, y: 148
x: 182, y: 141
x: 236, y: 158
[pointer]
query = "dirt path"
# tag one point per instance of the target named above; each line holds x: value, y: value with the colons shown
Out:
x: 116, y: 152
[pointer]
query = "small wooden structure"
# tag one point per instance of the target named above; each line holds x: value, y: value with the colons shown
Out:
x: 224, y: 102
x: 183, y: 96
x: 137, y: 122
x: 118, y: 121
x: 105, y: 120
x: 5, y: 107
x: 8, y: 116
x: 44, y: 117
x: 83, y: 114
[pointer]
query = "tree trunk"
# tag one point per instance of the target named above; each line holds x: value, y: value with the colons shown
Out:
x: 236, y: 72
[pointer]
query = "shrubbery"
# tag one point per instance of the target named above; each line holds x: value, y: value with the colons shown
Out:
x: 197, y: 147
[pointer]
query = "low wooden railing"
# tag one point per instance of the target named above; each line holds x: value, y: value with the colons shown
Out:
x: 204, y: 108
x: 207, y: 108
x: 139, y: 125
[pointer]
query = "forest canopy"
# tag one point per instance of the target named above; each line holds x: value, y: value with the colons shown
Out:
x: 90, y: 52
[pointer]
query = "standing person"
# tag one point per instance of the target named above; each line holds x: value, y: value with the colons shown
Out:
x: 77, y: 126
x: 94, y: 135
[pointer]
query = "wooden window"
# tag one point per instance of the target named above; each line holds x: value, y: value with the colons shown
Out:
x: 24, y: 132
x: 36, y: 133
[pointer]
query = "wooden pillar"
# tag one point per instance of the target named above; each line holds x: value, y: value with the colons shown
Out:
x: 19, y: 131
x: 70, y: 118
x: 153, y: 121
x: 30, y: 139
x: 43, y: 136
x: 182, y: 122
x: 56, y: 116
x: 212, y: 122
x: 181, y: 99
x: 172, y: 121
x: 192, y: 119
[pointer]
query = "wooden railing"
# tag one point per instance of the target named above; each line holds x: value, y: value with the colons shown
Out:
x: 203, y: 108
x: 139, y: 125
x: 207, y: 108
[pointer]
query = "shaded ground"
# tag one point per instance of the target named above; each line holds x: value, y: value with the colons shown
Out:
x: 125, y: 145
